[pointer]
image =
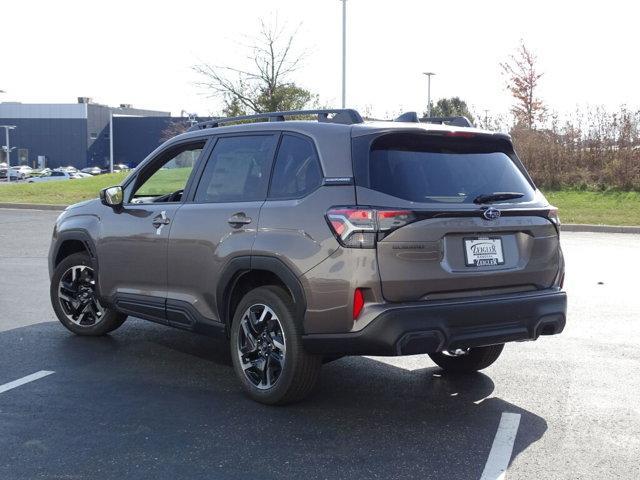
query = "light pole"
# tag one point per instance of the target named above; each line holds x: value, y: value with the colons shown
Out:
x: 344, y: 53
x: 111, y: 142
x: 428, y: 74
x: 8, y: 148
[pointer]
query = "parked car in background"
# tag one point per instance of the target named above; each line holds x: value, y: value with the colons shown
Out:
x: 22, y: 171
x: 81, y: 175
x: 68, y: 169
x: 121, y: 167
x: 53, y: 176
x: 14, y: 175
x: 39, y: 173
x: 92, y: 170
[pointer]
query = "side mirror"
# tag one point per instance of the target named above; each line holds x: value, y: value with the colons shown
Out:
x: 112, y: 196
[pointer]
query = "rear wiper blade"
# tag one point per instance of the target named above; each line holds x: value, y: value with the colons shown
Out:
x: 497, y: 196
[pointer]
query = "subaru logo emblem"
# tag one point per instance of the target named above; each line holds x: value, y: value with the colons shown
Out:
x: 491, y: 213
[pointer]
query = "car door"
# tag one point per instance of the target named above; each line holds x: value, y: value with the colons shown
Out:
x: 217, y: 224
x: 132, y: 245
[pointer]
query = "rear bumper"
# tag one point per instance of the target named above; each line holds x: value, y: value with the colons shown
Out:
x: 427, y: 327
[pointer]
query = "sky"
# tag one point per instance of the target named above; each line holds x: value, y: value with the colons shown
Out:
x: 142, y: 52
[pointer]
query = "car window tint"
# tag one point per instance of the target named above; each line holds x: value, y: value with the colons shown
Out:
x: 172, y: 174
x: 297, y: 171
x: 238, y: 170
x: 431, y: 169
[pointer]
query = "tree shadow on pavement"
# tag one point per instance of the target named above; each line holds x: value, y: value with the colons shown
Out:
x: 153, y: 402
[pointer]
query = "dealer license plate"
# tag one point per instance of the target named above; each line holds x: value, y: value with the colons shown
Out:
x: 483, y: 252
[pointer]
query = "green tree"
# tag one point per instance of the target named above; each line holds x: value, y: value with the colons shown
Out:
x: 267, y: 86
x: 451, y: 107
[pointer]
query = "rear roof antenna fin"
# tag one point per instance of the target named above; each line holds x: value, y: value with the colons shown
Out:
x: 408, y: 117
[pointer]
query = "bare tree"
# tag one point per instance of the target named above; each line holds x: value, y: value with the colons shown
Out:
x: 174, y: 128
x: 522, y: 78
x: 265, y: 86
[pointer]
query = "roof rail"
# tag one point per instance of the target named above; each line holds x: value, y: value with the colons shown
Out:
x: 459, y: 121
x: 345, y: 116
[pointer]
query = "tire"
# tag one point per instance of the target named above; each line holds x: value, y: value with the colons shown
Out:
x: 94, y: 319
x: 271, y: 375
x: 475, y: 359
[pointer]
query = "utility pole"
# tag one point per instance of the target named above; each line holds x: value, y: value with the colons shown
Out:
x: 344, y: 53
x: 428, y: 74
x: 8, y: 148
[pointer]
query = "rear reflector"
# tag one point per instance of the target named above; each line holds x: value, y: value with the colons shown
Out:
x: 358, y: 303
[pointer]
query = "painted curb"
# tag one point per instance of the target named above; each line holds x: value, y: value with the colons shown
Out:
x: 570, y: 227
x: 32, y: 206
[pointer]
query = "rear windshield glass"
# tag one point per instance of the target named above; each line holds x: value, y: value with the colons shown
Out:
x: 429, y: 169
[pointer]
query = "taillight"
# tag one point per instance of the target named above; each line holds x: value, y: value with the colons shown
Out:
x: 553, y: 216
x: 358, y: 303
x: 358, y: 227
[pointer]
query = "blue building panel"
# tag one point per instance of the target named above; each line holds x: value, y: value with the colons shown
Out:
x: 79, y: 134
x: 136, y: 137
x: 63, y: 141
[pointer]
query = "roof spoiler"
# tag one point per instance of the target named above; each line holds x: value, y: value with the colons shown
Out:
x: 412, y: 117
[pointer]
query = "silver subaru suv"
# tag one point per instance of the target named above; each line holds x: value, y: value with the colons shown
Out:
x: 303, y: 241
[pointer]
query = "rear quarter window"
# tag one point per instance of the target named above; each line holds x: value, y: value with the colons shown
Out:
x: 296, y: 172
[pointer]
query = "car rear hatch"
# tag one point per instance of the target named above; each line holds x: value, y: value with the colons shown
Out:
x: 454, y: 214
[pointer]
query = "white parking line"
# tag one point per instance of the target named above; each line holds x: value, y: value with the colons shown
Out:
x: 502, y: 447
x: 23, y: 380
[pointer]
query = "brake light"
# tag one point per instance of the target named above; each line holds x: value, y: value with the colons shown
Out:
x: 358, y: 227
x: 358, y: 303
x: 460, y: 134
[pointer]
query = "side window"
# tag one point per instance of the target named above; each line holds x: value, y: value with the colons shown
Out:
x: 238, y: 170
x: 168, y: 177
x: 297, y: 170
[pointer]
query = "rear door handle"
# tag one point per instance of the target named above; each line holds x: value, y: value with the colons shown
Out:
x: 238, y: 219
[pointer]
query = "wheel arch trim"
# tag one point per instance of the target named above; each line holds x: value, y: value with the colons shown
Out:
x: 237, y: 267
x: 72, y: 235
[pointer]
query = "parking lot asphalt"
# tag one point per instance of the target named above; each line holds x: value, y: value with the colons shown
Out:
x: 152, y: 402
